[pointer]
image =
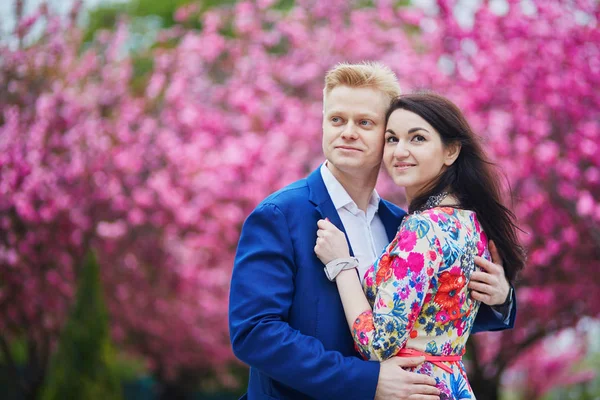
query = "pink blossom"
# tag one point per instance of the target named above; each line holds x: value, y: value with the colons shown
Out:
x: 585, y: 204
x: 159, y: 182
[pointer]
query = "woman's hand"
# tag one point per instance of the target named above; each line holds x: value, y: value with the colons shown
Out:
x: 331, y: 242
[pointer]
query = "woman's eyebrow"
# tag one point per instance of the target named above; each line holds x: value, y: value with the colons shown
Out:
x: 413, y: 130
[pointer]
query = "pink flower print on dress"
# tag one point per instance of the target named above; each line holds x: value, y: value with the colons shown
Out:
x: 369, y: 277
x: 403, y: 292
x: 400, y: 268
x: 432, y: 255
x: 415, y: 262
x: 407, y: 240
x: 442, y: 317
x: 481, y: 246
x: 460, y: 325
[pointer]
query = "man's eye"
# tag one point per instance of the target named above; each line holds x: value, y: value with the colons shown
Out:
x: 366, y: 122
x: 336, y: 120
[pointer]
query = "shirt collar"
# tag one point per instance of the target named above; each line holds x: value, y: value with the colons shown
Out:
x: 339, y: 195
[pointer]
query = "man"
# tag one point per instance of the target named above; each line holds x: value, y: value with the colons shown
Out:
x: 286, y: 318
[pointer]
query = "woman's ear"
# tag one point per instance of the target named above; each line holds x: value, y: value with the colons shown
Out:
x: 452, y: 152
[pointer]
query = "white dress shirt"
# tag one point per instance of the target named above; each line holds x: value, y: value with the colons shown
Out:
x: 365, y: 231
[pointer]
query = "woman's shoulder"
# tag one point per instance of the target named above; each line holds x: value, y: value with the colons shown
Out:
x: 439, y: 220
x: 445, y: 213
x: 434, y: 215
x: 422, y: 223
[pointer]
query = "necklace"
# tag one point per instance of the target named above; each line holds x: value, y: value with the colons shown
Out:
x: 432, y: 201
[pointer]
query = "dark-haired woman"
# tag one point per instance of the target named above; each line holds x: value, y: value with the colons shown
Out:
x: 417, y: 301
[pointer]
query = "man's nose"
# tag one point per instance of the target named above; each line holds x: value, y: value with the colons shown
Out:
x: 349, y: 131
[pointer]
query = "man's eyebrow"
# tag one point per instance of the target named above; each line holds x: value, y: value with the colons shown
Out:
x: 369, y: 115
x: 360, y: 115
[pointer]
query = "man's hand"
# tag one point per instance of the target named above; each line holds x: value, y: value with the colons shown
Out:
x: 490, y: 286
x: 398, y: 384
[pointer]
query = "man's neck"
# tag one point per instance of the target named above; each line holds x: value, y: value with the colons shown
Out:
x: 359, y: 185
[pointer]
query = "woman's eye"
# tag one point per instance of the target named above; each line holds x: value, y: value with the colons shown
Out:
x: 418, y: 138
x: 391, y: 139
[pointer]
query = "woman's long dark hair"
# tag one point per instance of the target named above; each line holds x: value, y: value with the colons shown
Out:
x: 472, y: 178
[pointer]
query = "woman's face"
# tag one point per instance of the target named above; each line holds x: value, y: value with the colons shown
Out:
x: 414, y: 154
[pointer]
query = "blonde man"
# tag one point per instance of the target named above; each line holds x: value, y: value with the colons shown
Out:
x: 286, y: 318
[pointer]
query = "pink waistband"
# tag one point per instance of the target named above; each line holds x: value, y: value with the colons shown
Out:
x: 435, y: 360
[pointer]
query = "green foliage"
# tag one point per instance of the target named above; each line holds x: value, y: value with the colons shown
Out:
x: 102, y: 17
x: 128, y: 368
x: 284, y: 5
x: 82, y: 366
x: 143, y: 65
x: 18, y: 351
x: 106, y: 16
x: 162, y: 9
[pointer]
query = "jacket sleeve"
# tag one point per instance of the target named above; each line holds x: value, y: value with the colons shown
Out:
x: 488, y: 320
x: 262, y: 290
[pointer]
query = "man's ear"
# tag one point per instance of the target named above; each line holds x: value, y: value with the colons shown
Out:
x: 452, y: 152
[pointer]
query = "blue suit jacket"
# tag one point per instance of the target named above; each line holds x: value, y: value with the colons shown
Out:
x: 285, y: 318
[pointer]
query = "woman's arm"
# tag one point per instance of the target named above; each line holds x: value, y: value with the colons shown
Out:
x: 402, y: 281
x: 353, y: 298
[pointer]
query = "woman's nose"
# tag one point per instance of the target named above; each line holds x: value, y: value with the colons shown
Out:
x: 401, y: 151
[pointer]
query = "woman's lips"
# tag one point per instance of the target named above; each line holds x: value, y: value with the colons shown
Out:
x: 403, y: 166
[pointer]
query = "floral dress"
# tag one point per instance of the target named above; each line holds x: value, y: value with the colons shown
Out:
x: 418, y: 291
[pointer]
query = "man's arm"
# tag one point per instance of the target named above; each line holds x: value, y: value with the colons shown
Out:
x: 491, y: 287
x: 262, y: 289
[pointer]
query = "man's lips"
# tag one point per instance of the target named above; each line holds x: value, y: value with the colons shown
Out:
x: 348, y: 148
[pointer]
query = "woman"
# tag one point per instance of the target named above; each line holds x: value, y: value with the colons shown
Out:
x: 417, y: 302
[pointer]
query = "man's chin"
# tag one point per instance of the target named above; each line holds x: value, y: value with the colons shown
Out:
x: 352, y: 166
x: 346, y: 163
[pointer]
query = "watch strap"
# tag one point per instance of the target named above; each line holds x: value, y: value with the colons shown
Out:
x: 334, y: 267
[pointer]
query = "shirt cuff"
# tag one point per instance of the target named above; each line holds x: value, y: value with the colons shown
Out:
x: 503, y: 312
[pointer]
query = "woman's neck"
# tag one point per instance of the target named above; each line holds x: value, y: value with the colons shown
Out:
x: 448, y: 199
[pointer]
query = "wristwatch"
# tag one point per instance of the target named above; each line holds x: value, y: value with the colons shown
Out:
x: 508, y: 298
x: 334, y: 267
x: 505, y: 307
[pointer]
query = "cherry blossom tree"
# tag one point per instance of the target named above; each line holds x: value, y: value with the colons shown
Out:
x: 157, y: 172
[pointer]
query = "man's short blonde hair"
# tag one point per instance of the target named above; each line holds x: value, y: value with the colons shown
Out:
x: 365, y: 74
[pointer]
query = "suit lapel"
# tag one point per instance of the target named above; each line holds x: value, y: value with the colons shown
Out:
x: 319, y: 196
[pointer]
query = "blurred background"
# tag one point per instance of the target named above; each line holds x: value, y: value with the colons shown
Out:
x: 137, y: 135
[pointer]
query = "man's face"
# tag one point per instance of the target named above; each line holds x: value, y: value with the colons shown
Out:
x: 353, y: 128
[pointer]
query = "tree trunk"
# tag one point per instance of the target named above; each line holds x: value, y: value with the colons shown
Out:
x: 485, y: 388
x: 485, y: 385
x: 169, y: 391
